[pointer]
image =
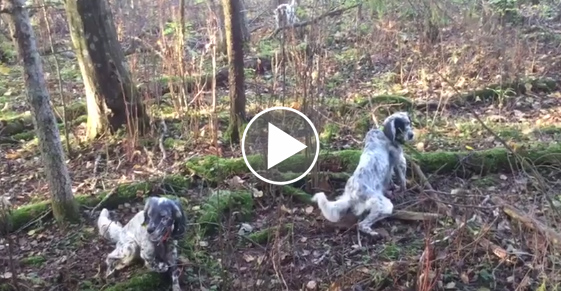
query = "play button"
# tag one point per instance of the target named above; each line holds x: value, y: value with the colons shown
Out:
x: 280, y: 145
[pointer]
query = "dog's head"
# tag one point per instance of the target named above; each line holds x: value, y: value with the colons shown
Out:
x: 397, y: 127
x: 164, y: 218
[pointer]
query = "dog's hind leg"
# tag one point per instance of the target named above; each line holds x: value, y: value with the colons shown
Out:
x: 380, y: 207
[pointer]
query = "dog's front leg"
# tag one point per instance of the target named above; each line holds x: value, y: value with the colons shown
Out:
x: 172, y: 258
x: 147, y: 253
x: 112, y: 261
x: 400, y: 171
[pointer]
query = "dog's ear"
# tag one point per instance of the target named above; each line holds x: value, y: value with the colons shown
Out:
x: 399, y: 125
x: 179, y: 220
x: 147, y: 206
x: 389, y: 129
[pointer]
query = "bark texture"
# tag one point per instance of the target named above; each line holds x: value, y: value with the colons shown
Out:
x: 112, y: 98
x: 234, y: 41
x: 63, y: 202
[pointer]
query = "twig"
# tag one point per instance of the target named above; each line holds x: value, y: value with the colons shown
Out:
x: 103, y: 201
x: 442, y: 208
x: 40, y: 218
x: 164, y: 130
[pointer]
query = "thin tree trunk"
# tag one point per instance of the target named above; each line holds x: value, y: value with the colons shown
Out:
x: 63, y: 202
x: 111, y: 97
x: 234, y: 45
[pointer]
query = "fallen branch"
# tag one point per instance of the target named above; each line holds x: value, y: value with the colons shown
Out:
x: 553, y: 236
x: 313, y: 21
x: 414, y: 216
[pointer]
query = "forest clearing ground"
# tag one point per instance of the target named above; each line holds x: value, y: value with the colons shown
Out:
x: 307, y: 249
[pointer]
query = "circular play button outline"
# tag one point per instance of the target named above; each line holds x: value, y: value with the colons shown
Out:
x: 305, y: 172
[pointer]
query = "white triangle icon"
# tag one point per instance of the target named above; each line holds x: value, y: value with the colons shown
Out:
x: 281, y: 146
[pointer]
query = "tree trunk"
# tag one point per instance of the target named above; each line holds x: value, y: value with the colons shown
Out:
x: 244, y: 24
x: 112, y: 98
x: 64, y: 205
x: 234, y: 43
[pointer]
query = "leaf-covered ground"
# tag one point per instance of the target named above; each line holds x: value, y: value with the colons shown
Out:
x: 285, y: 244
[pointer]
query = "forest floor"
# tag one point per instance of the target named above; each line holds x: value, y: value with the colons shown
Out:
x: 279, y: 241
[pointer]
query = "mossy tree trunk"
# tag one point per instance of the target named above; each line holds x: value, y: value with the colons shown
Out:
x: 234, y: 41
x: 64, y: 205
x: 112, y: 98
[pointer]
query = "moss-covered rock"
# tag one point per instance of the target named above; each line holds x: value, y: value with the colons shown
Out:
x: 221, y: 202
x: 173, y: 184
x: 215, y: 169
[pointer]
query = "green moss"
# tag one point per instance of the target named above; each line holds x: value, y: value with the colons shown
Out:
x: 33, y: 261
x: 176, y: 144
x: 263, y: 236
x: 26, y: 135
x: 362, y: 125
x: 66, y: 210
x: 298, y: 194
x: 329, y: 132
x: 215, y: 169
x: 219, y: 203
x: 143, y: 282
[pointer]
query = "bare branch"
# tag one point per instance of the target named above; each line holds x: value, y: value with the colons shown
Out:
x: 332, y: 13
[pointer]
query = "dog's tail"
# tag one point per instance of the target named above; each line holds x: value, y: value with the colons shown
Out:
x: 108, y: 228
x: 332, y: 210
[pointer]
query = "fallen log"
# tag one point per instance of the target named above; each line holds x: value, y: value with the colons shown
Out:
x: 24, y: 122
x: 214, y: 169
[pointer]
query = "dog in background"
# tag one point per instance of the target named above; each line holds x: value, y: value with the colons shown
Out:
x: 285, y: 15
x: 381, y: 157
x: 151, y: 234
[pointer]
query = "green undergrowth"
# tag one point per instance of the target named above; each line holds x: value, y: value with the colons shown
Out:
x: 221, y: 202
x: 148, y: 281
x: 214, y: 169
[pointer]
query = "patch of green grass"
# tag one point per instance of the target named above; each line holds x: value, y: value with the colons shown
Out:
x: 33, y: 261
x: 391, y: 252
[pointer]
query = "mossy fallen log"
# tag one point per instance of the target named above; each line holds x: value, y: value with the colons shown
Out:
x: 24, y: 122
x: 123, y: 193
x: 487, y: 93
x: 516, y: 87
x: 216, y: 170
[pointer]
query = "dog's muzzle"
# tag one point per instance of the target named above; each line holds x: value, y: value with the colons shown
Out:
x: 158, y: 234
x: 410, y: 135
